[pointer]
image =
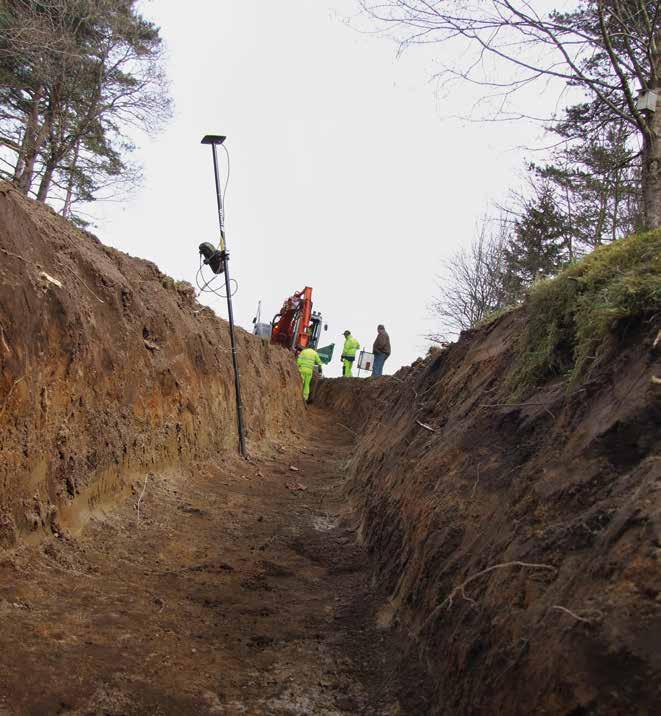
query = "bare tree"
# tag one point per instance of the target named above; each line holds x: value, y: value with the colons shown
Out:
x: 608, y: 48
x: 472, y: 284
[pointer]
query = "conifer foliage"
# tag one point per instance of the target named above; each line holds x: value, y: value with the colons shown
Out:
x: 77, y: 78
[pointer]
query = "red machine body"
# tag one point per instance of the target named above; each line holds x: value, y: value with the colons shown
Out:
x: 295, y: 324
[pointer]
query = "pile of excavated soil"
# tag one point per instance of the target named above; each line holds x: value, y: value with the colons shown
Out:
x: 519, y: 539
x: 109, y: 370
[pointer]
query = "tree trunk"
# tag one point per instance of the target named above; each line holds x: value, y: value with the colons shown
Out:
x: 68, y: 199
x: 46, y: 179
x: 652, y: 171
x: 601, y: 221
x: 33, y: 139
x: 652, y: 147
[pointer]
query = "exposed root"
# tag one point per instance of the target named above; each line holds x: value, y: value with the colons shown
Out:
x: 144, y: 487
x: 516, y: 405
x: 9, y: 394
x: 16, y: 256
x: 3, y: 340
x: 426, y: 427
x: 477, y: 479
x: 461, y: 588
x: 596, y: 612
x: 342, y: 425
x: 80, y: 280
x: 51, y: 279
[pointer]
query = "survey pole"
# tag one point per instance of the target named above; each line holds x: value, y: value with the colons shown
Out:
x: 214, y: 141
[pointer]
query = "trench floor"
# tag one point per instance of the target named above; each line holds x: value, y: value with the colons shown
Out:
x: 236, y: 588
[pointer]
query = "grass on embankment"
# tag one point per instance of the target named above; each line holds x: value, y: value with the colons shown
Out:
x: 570, y: 316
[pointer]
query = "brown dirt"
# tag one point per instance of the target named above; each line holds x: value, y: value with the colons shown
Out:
x: 145, y: 568
x: 570, y: 480
x: 236, y: 592
x: 116, y: 372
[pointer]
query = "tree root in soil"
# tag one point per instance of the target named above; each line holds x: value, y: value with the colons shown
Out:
x: 461, y: 588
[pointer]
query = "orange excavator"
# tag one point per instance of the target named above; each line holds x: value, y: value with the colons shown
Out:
x: 296, y: 324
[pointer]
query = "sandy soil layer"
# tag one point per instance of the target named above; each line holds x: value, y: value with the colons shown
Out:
x: 109, y: 369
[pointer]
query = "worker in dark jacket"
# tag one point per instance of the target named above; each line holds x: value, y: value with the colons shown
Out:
x: 381, y: 350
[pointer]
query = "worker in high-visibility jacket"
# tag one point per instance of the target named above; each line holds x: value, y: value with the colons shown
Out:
x: 307, y: 359
x: 351, y: 345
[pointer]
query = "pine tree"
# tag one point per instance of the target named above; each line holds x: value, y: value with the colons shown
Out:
x: 538, y: 246
x: 77, y: 74
x: 595, y: 177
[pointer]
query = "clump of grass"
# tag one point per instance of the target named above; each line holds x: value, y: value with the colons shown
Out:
x: 184, y: 287
x: 571, y: 315
x: 495, y: 315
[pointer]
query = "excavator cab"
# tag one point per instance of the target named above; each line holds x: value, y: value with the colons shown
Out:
x: 316, y: 325
x: 315, y: 329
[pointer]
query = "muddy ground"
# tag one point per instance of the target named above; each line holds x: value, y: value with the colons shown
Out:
x: 234, y: 590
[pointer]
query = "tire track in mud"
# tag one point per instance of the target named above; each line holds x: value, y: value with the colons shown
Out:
x: 238, y: 591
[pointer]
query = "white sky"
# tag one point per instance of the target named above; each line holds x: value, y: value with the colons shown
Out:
x: 345, y: 174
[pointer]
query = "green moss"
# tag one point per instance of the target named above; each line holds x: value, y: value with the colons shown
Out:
x: 494, y: 316
x: 571, y: 315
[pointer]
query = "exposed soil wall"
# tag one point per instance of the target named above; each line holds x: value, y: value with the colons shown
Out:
x: 113, y: 372
x: 546, y: 508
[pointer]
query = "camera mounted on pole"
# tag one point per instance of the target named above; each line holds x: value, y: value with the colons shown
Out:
x: 213, y: 258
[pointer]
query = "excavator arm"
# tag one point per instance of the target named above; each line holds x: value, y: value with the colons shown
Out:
x: 298, y: 325
x: 290, y: 325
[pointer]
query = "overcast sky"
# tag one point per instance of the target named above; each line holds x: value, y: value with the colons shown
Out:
x: 346, y: 173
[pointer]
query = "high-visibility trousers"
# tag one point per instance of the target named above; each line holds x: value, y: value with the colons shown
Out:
x: 306, y: 377
x: 346, y: 367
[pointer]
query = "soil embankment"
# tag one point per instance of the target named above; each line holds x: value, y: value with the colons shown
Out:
x: 109, y: 370
x: 519, y: 536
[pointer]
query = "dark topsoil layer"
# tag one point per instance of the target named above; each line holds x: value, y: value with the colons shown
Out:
x: 519, y: 539
x: 112, y: 373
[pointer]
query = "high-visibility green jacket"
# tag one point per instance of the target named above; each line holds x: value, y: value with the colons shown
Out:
x: 307, y: 359
x: 351, y: 345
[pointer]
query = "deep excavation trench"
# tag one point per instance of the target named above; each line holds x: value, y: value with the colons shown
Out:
x: 430, y: 543
x: 144, y: 567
